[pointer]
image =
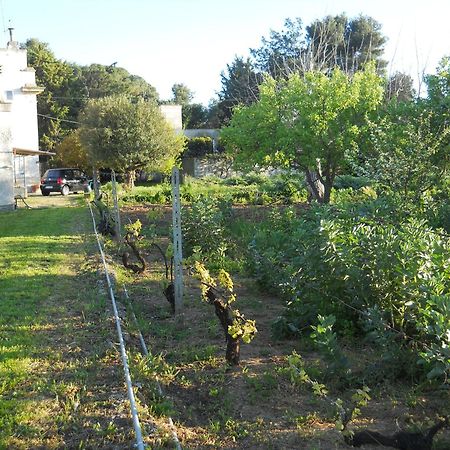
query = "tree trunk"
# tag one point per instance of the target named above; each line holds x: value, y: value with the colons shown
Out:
x: 130, y: 178
x: 316, y: 189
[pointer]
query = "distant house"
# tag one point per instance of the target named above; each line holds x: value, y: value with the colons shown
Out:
x: 19, y: 141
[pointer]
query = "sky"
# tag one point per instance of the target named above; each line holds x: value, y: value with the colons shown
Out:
x: 192, y: 41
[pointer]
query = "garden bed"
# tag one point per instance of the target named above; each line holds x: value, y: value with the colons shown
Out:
x: 259, y: 404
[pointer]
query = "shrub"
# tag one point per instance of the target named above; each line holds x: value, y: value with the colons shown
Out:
x: 204, y: 226
x: 343, y: 263
x: 198, y: 147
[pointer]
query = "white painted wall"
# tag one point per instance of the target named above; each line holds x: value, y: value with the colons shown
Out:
x: 18, y: 119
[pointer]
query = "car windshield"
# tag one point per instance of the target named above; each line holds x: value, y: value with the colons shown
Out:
x: 53, y: 173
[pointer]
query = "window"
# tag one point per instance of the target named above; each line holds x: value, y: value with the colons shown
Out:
x: 9, y: 96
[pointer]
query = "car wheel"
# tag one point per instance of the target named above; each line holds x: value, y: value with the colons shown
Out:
x: 45, y: 193
x: 65, y: 190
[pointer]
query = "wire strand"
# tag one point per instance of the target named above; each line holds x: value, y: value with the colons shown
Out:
x: 56, y: 118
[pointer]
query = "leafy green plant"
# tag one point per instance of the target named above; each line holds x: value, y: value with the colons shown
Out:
x: 204, y: 227
x: 345, y: 262
x: 219, y: 292
x: 326, y: 340
x: 298, y: 375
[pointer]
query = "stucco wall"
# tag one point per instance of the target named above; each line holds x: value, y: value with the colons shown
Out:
x: 6, y: 164
x: 18, y: 116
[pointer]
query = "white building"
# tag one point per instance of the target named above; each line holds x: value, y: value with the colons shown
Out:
x: 19, y: 141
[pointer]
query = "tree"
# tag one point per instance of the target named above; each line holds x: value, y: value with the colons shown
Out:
x: 70, y: 153
x: 405, y: 152
x: 69, y: 86
x: 195, y: 115
x: 282, y: 51
x: 400, y: 87
x: 102, y: 81
x: 182, y: 95
x: 334, y: 41
x: 310, y: 123
x: 127, y: 135
x: 55, y: 76
x: 438, y: 102
x: 239, y: 87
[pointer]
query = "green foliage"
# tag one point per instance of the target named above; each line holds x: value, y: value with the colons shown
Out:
x: 241, y: 328
x: 345, y: 414
x: 239, y: 87
x: 127, y: 136
x: 69, y: 86
x: 350, y: 181
x: 56, y: 77
x: 326, y: 340
x: 134, y: 228
x: 198, y: 147
x: 322, y: 115
x: 182, y: 95
x: 203, y: 226
x: 343, y: 263
x: 298, y: 375
x: 253, y: 189
x: 407, y: 154
x: 70, y: 153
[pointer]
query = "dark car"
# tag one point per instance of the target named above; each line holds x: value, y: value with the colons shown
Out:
x: 64, y: 181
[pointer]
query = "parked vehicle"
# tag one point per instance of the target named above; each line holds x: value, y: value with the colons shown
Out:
x: 64, y: 181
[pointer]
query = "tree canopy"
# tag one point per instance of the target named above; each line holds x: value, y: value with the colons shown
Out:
x: 325, y: 44
x: 127, y: 135
x: 310, y: 122
x: 68, y: 87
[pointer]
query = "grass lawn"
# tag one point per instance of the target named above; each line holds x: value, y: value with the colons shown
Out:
x: 61, y: 385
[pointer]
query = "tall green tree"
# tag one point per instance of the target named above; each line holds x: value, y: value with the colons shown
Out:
x: 68, y: 87
x: 338, y: 41
x: 334, y: 41
x: 55, y: 76
x: 99, y: 81
x: 194, y: 115
x: 311, y: 123
x: 182, y: 95
x: 280, y: 53
x: 240, y: 84
x: 127, y: 135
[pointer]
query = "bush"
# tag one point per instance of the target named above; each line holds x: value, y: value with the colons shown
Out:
x: 345, y: 263
x: 198, y: 147
x: 349, y: 181
x: 204, y: 227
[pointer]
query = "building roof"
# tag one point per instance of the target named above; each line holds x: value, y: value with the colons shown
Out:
x: 28, y: 152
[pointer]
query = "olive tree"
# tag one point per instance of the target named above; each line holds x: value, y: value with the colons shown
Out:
x: 126, y: 136
x: 310, y: 123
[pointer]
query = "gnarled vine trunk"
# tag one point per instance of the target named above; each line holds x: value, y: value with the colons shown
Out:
x: 225, y: 316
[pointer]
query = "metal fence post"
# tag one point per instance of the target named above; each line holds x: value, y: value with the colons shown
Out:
x: 95, y: 182
x: 116, y: 205
x: 177, y: 248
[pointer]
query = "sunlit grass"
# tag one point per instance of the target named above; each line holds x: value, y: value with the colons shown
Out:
x: 37, y: 252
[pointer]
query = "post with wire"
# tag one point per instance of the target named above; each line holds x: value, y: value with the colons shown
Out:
x: 177, y: 244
